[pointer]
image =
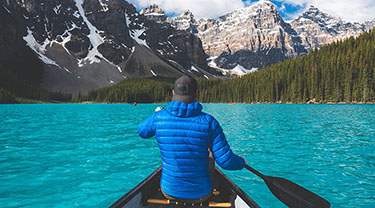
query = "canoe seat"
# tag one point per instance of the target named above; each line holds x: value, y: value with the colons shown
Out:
x: 172, y: 202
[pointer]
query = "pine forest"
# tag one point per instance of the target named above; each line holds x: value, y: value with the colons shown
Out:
x: 343, y: 71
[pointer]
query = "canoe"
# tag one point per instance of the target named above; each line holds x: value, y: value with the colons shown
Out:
x: 147, y: 194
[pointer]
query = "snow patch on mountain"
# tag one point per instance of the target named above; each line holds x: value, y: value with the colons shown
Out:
x: 95, y: 38
x: 104, y: 6
x: 154, y: 14
x: 135, y: 34
x: 153, y: 73
x: 127, y: 20
x: 38, y: 49
x: 194, y: 69
x: 56, y: 9
x: 240, y: 70
x: 6, y: 9
x: 66, y: 37
x: 76, y: 14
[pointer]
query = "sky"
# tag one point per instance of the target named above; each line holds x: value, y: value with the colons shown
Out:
x: 348, y: 10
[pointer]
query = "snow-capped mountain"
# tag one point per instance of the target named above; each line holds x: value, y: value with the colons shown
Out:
x: 251, y: 37
x: 186, y: 21
x: 257, y: 36
x: 86, y: 44
x: 317, y: 28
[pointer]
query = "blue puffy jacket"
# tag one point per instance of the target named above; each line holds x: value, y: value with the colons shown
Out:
x: 184, y: 134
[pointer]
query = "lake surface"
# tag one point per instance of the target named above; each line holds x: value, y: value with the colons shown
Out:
x: 89, y: 155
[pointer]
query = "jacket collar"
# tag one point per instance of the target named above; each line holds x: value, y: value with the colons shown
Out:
x: 181, y: 109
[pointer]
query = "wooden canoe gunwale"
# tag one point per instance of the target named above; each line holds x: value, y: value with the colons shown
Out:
x: 141, y: 187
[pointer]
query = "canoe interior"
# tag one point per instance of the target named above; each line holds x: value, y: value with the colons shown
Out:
x: 150, y: 189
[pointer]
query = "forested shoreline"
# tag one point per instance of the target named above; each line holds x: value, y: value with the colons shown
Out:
x: 341, y: 72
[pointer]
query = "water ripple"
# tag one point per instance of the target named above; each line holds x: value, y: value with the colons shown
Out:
x: 90, y: 155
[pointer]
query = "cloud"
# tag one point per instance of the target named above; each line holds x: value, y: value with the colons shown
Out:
x: 200, y: 8
x: 282, y: 8
x: 348, y: 10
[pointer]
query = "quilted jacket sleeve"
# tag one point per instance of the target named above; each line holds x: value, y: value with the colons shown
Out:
x: 147, y: 129
x: 222, y: 153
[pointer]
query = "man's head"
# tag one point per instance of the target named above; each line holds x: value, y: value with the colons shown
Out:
x: 185, y: 89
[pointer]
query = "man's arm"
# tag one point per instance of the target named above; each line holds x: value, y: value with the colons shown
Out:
x: 220, y: 148
x: 146, y: 129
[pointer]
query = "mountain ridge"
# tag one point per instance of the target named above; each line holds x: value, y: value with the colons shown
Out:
x: 83, y: 45
x: 86, y: 44
x: 295, y: 37
x: 324, y: 75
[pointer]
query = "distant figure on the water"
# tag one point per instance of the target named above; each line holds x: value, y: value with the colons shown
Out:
x: 186, y: 136
x: 135, y: 104
x: 158, y: 109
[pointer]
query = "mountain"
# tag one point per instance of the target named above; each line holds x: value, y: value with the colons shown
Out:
x: 251, y: 37
x: 87, y: 44
x: 257, y: 36
x: 317, y: 28
x: 74, y: 46
x: 154, y: 13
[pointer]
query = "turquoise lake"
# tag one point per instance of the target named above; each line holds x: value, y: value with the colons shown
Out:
x: 89, y: 155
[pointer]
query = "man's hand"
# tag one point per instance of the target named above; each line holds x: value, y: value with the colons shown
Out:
x: 243, y: 159
x: 158, y: 109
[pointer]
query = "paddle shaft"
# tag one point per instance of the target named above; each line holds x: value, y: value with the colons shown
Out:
x: 255, y: 172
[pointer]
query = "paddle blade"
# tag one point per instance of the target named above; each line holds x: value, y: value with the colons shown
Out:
x: 294, y: 195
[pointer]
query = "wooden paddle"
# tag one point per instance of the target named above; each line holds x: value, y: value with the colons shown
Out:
x: 290, y: 193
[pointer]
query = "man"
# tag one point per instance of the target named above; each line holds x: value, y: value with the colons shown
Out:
x: 185, y: 135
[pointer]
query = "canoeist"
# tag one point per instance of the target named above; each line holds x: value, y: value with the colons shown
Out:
x: 185, y: 136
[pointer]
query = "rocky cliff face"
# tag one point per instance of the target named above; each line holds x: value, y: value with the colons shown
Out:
x: 154, y: 13
x: 317, y: 28
x: 16, y: 59
x: 251, y: 37
x: 257, y: 36
x: 187, y: 22
x: 86, y: 44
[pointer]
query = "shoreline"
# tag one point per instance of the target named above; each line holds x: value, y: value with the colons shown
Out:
x: 231, y: 103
